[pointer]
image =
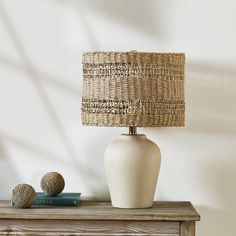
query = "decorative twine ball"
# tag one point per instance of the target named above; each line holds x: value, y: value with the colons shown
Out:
x: 52, y: 183
x: 23, y: 195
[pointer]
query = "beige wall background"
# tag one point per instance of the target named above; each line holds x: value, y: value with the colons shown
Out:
x: 41, y: 43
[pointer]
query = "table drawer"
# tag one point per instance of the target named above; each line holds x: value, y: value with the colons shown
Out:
x: 89, y: 227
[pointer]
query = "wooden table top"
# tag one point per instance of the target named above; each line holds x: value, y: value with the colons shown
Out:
x: 91, y: 210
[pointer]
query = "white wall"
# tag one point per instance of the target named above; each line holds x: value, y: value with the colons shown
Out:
x: 41, y: 43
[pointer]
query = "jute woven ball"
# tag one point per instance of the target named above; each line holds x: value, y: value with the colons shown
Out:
x: 52, y: 183
x: 23, y: 196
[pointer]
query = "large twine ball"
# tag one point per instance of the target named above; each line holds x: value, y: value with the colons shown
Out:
x: 52, y: 183
x: 23, y: 196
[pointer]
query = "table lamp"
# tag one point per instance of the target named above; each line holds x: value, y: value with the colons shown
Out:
x: 133, y: 89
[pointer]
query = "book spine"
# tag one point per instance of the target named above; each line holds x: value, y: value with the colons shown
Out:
x: 56, y: 202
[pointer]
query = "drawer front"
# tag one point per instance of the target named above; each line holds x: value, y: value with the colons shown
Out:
x: 89, y: 227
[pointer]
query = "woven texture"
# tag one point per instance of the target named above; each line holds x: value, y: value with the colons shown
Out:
x: 23, y: 195
x: 133, y: 89
x: 52, y: 183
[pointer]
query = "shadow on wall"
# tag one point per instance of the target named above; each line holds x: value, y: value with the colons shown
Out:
x: 221, y: 181
x: 218, y: 179
x: 34, y: 149
x: 36, y: 80
x: 215, y: 222
x: 94, y: 166
x: 210, y: 95
x: 46, y: 79
x: 129, y: 13
x: 8, y: 172
x: 40, y: 79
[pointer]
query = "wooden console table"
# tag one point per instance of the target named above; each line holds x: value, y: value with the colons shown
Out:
x: 100, y: 218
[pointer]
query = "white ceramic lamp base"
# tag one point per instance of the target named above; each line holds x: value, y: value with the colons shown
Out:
x: 132, y: 164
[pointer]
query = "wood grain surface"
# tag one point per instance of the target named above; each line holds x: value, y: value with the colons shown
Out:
x: 88, y: 210
x: 71, y: 227
x: 99, y: 218
x: 187, y: 228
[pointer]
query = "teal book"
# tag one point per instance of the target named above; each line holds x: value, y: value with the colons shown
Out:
x: 63, y: 199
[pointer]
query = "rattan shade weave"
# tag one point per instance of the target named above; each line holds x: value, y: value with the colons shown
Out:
x: 133, y: 89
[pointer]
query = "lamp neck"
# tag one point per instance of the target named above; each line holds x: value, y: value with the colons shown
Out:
x: 132, y: 130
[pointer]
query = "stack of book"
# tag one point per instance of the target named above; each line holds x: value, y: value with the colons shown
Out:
x: 63, y: 199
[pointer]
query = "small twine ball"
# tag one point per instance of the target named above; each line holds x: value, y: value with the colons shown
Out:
x: 52, y: 183
x: 23, y: 195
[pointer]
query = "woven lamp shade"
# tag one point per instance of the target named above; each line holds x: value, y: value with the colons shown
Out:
x: 133, y: 89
